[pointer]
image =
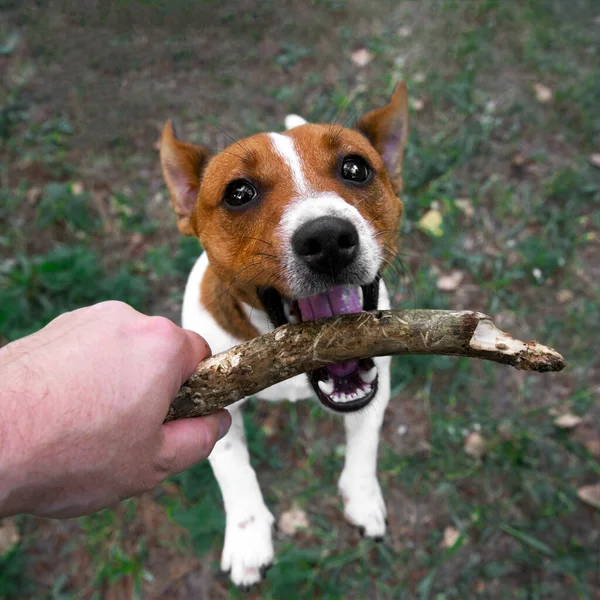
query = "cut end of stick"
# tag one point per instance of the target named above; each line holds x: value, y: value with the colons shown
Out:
x: 526, y: 356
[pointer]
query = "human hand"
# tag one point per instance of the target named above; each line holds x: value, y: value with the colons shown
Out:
x: 83, y: 403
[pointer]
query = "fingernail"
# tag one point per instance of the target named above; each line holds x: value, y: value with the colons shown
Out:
x: 224, y: 424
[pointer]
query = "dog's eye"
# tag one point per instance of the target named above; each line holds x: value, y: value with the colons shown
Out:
x: 355, y: 168
x: 238, y: 193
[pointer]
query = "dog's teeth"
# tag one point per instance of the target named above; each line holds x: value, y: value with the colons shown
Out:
x: 326, y: 387
x: 368, y: 376
x: 287, y: 311
x: 361, y: 296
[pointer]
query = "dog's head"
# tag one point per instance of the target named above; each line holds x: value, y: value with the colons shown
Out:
x: 299, y: 222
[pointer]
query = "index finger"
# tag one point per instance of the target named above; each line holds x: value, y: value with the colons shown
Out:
x: 197, y: 349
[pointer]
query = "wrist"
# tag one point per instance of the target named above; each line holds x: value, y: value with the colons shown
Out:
x: 13, y: 466
x: 15, y: 448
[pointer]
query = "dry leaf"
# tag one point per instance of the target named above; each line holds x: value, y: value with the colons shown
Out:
x: 518, y: 161
x: 451, y: 281
x: 519, y: 164
x: 293, y: 520
x: 590, y: 494
x: 32, y: 195
x: 466, y: 206
x: 431, y: 222
x: 543, y: 94
x: 564, y: 296
x: 475, y: 445
x: 588, y: 436
x: 595, y: 160
x: 451, y: 535
x: 567, y: 421
x: 77, y: 188
x: 404, y: 31
x: 9, y: 535
x: 362, y: 57
x: 416, y: 104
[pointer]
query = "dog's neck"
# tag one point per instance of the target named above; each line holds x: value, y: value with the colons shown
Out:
x: 238, y: 315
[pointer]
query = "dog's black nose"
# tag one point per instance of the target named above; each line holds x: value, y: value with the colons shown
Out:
x: 326, y: 244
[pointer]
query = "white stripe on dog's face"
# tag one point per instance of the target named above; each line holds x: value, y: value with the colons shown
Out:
x: 307, y: 205
x: 284, y: 146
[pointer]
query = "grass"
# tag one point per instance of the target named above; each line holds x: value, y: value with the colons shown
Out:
x: 84, y: 216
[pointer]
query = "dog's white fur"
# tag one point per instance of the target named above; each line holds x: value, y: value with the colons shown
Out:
x: 248, y: 538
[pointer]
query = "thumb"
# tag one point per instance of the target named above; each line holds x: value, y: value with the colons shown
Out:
x: 188, y: 441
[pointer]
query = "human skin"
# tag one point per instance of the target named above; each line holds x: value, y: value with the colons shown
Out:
x: 82, y: 404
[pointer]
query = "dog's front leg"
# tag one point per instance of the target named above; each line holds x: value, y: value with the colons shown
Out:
x: 363, y: 502
x: 248, y: 548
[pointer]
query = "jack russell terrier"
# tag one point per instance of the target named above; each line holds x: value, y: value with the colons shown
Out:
x: 295, y: 226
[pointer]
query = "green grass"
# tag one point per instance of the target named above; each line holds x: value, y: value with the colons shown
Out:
x: 111, y: 560
x: 533, y: 234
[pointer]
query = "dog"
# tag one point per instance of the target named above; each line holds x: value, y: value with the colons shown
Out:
x: 295, y: 226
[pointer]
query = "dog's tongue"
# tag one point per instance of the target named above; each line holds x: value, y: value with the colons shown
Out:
x: 339, y: 300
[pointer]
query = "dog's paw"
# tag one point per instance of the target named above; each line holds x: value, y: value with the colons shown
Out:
x: 363, y: 504
x: 248, y: 548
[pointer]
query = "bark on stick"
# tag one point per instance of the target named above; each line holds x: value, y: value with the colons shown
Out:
x: 293, y: 349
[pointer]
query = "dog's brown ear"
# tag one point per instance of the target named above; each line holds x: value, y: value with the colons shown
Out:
x: 182, y: 165
x: 387, y: 129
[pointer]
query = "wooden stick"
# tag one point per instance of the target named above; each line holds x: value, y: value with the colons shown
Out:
x: 293, y: 349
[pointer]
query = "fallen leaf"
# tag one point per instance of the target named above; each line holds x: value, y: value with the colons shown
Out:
x: 416, y: 104
x: 518, y: 160
x: 431, y: 222
x: 589, y: 437
x: 466, y: 206
x: 135, y: 239
x: 451, y: 535
x: 362, y: 57
x: 564, y: 296
x: 77, y: 188
x: 519, y: 164
x: 9, y: 535
x: 567, y: 421
x: 595, y: 160
x: 543, y: 94
x: 475, y: 445
x: 590, y: 494
x: 404, y: 31
x: 32, y: 195
x: 293, y: 520
x: 450, y: 281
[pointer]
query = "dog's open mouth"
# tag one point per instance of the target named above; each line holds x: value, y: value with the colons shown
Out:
x: 342, y: 387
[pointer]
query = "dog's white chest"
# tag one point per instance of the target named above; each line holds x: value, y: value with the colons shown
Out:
x: 195, y: 318
x: 294, y: 389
